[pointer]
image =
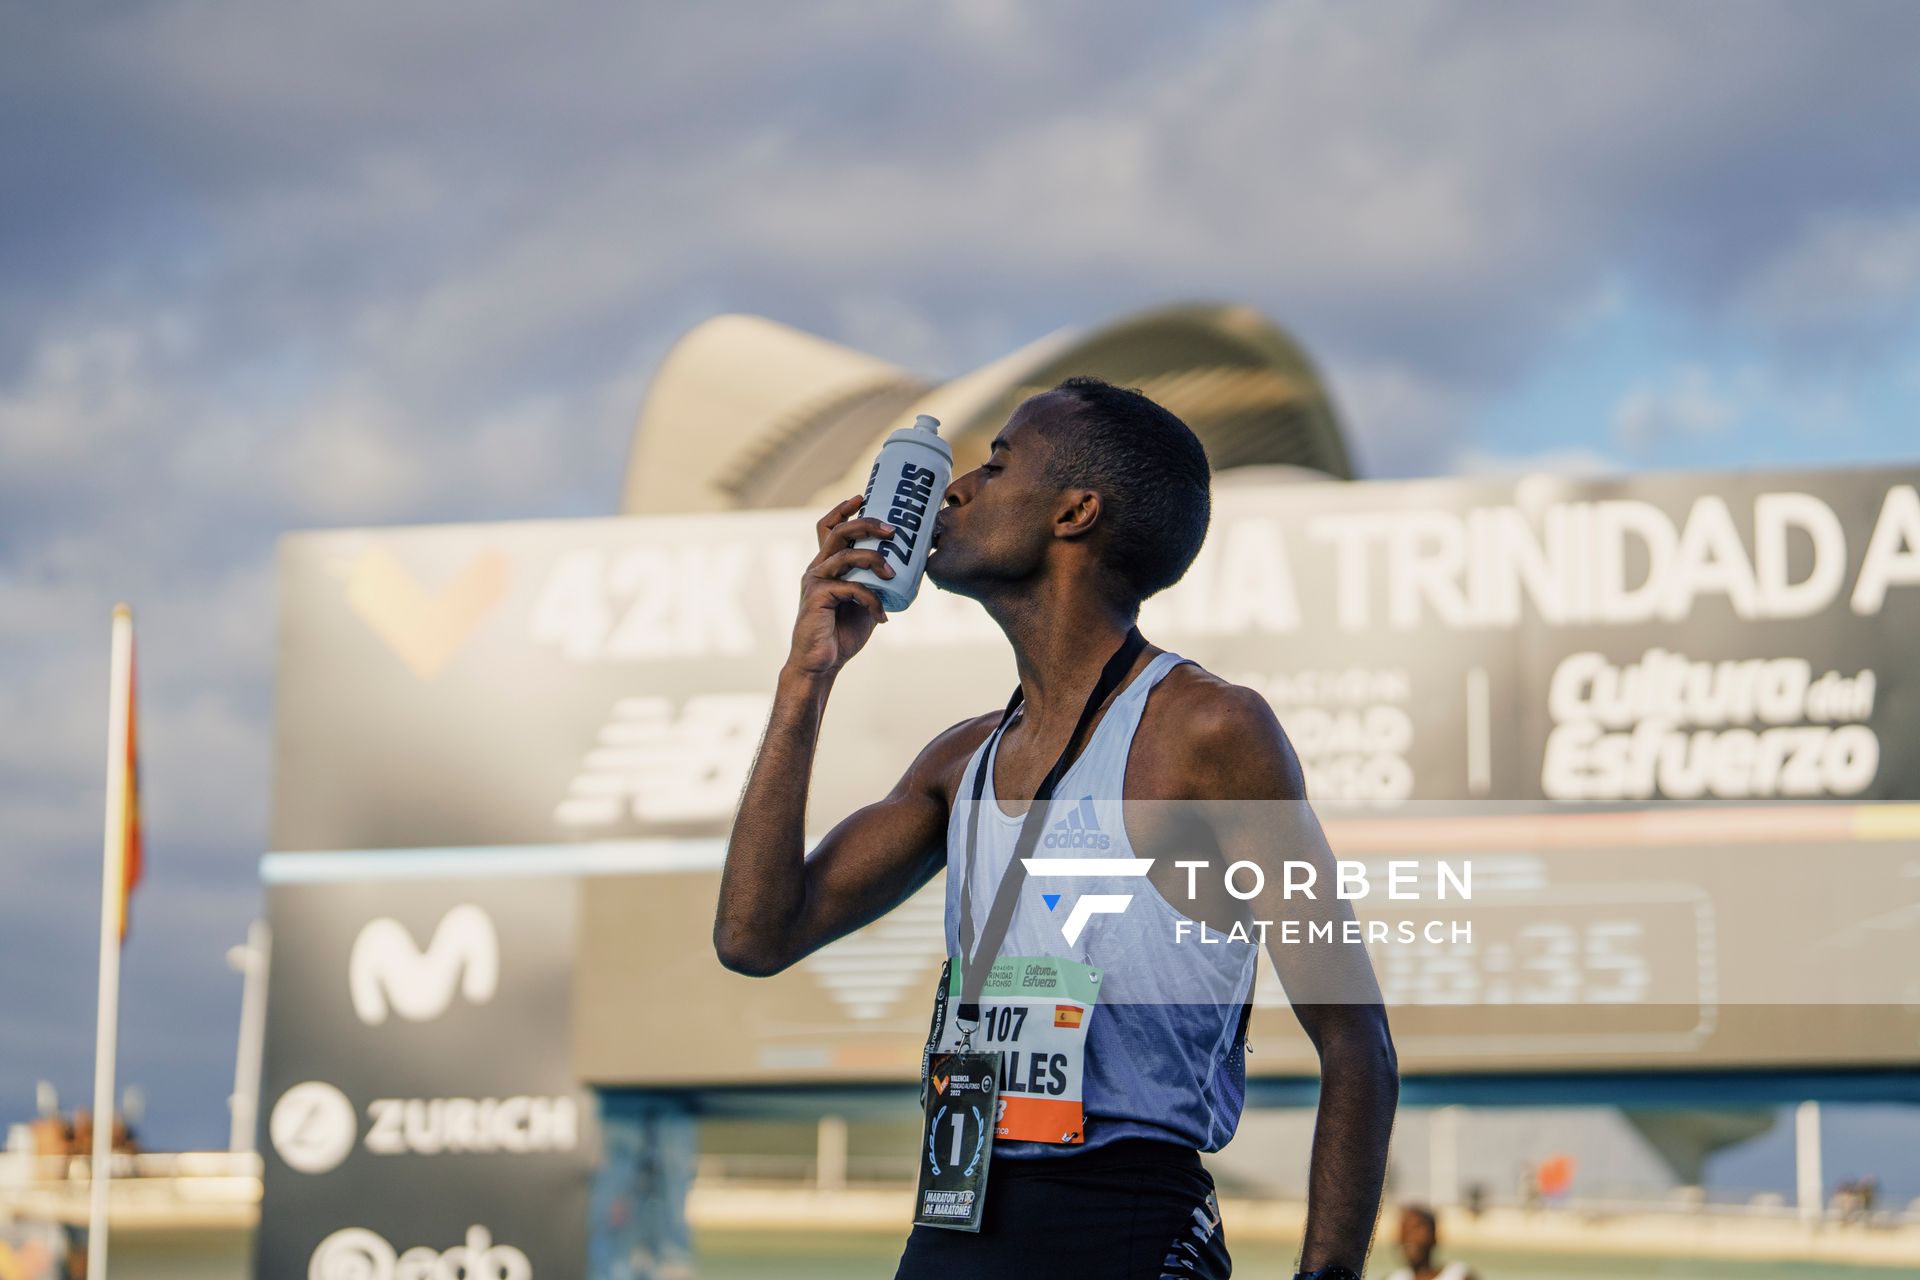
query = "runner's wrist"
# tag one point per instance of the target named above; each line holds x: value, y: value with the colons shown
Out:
x: 802, y: 683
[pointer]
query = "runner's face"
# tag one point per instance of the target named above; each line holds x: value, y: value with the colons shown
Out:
x: 996, y: 524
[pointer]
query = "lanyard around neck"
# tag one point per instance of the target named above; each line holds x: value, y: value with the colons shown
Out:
x: 979, y: 959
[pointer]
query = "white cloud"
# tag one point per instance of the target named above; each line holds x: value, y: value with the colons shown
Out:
x: 78, y: 391
x: 1585, y: 463
x: 1403, y: 421
x: 347, y: 459
x: 887, y: 325
x: 1686, y: 401
x: 1845, y: 267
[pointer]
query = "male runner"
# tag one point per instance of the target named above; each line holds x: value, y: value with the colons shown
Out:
x: 1093, y: 498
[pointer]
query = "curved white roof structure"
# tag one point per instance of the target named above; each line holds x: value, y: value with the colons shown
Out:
x: 745, y: 412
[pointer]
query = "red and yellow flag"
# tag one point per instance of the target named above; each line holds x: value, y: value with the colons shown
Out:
x: 130, y: 852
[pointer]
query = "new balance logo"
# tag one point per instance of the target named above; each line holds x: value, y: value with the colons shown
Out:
x: 387, y: 970
x: 655, y: 763
x: 1078, y: 830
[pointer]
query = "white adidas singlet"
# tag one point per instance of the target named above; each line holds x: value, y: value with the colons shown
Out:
x: 1164, y: 1057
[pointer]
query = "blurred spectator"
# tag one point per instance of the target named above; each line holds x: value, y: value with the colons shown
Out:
x: 52, y: 1136
x: 58, y: 1135
x: 1419, y: 1236
x: 123, y: 1141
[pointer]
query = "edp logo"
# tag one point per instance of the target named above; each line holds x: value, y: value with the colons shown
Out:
x: 354, y: 1253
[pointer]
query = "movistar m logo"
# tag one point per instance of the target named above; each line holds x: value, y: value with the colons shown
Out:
x: 1078, y: 830
x: 386, y: 969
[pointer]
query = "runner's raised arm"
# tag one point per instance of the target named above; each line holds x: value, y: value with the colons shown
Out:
x: 777, y: 904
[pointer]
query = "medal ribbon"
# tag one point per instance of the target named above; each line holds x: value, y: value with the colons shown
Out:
x: 1007, y: 896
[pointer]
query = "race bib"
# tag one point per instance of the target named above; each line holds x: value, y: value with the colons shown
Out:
x: 1034, y: 1013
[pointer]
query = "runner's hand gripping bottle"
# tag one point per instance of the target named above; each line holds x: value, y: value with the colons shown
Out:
x: 905, y: 488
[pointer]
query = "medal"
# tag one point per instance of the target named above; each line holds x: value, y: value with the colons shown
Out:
x: 962, y: 1094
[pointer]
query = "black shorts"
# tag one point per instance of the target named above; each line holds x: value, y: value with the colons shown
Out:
x: 1134, y: 1209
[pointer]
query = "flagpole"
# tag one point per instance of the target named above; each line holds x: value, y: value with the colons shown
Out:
x: 106, y: 1031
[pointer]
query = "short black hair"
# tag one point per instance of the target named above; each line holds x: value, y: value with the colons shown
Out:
x: 1151, y: 473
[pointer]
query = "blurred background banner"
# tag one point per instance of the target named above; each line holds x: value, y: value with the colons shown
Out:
x: 1712, y: 638
x: 419, y: 1091
x: 1668, y: 721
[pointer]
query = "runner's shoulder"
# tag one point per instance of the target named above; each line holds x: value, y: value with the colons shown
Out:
x: 1225, y: 736
x: 944, y: 758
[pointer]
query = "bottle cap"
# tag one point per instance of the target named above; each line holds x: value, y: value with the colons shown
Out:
x: 927, y: 423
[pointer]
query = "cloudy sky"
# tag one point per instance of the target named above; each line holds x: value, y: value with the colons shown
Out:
x: 267, y: 268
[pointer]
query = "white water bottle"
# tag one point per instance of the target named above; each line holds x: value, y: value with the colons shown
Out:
x: 905, y: 488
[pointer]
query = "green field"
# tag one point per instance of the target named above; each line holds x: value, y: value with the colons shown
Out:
x: 820, y: 1256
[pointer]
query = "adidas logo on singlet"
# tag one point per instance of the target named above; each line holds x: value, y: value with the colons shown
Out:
x: 1080, y: 829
